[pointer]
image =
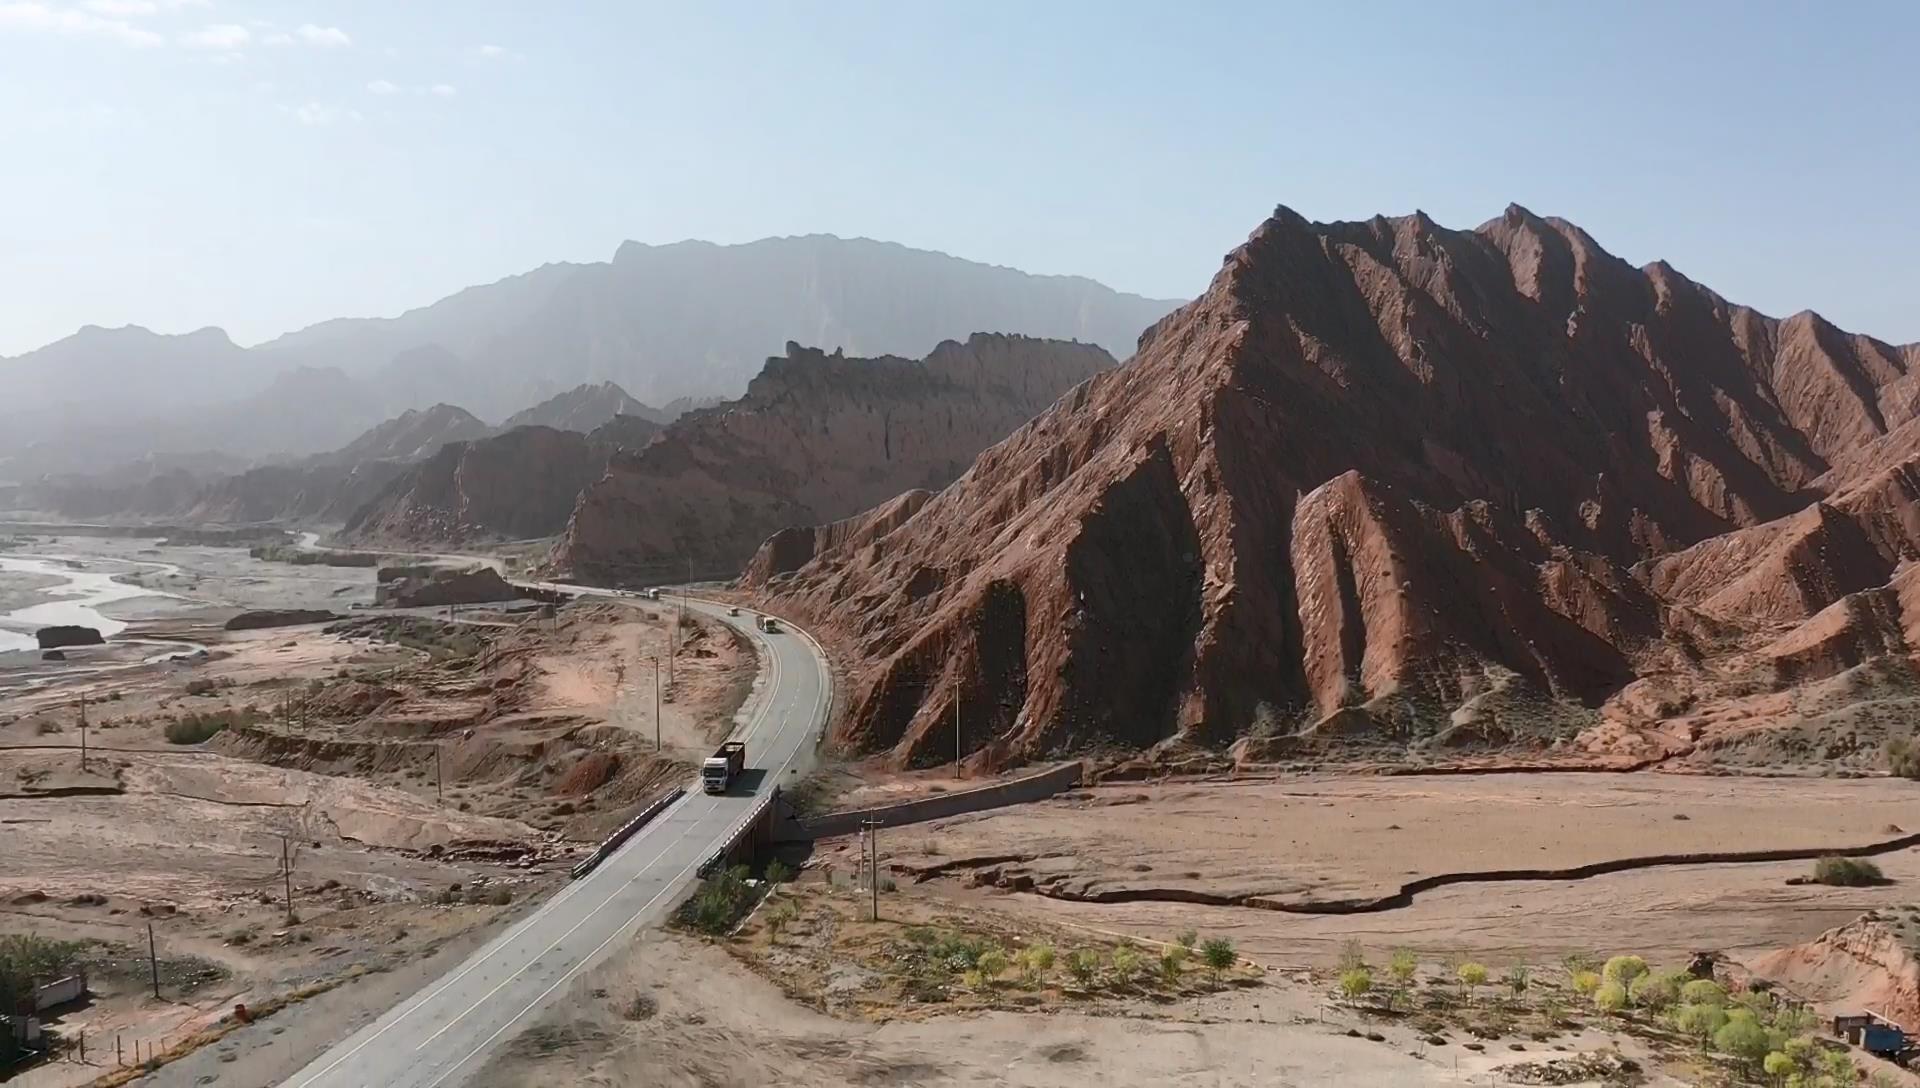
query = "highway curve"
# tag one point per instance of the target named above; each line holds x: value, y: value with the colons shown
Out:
x: 442, y: 1035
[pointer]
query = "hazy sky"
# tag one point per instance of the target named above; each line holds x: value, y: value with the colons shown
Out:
x: 179, y: 163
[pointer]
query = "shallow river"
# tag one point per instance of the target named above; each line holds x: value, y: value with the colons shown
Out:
x: 81, y: 596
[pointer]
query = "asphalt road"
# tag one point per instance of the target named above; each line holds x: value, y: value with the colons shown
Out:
x: 442, y: 1035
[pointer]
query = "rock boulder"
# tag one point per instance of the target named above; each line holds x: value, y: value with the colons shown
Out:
x: 53, y: 638
x: 279, y: 617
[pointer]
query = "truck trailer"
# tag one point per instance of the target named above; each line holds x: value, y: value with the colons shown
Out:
x: 720, y: 768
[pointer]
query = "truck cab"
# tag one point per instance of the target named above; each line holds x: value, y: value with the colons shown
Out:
x: 717, y: 771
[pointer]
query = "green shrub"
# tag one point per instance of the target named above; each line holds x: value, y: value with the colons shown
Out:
x: 27, y: 961
x: 1847, y: 872
x: 1218, y: 954
x: 1657, y: 990
x: 1624, y: 969
x: 1126, y: 964
x: 1403, y: 964
x: 1703, y: 991
x: 1355, y: 982
x: 1611, y: 997
x: 1700, y: 1021
x: 1742, y: 1037
x: 721, y: 901
x: 1083, y: 964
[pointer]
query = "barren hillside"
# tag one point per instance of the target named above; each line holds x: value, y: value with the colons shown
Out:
x: 817, y: 437
x: 1394, y: 483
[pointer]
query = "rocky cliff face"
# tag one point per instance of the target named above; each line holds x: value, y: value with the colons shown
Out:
x: 1434, y: 487
x: 817, y: 437
x: 515, y: 485
x: 582, y: 409
x: 409, y: 436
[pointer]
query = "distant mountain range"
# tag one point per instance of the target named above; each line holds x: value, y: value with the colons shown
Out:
x: 690, y: 320
x: 329, y: 487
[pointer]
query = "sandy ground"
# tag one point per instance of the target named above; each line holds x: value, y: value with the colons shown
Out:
x: 718, y: 1023
x: 611, y: 674
x: 1325, y: 836
x: 407, y: 775
x: 1333, y: 837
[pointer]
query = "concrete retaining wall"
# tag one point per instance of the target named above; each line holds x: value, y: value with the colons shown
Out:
x: 59, y: 992
x: 1020, y: 791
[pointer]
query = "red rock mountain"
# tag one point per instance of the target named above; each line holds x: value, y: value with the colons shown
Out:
x: 1387, y: 479
x: 816, y: 437
x: 512, y: 486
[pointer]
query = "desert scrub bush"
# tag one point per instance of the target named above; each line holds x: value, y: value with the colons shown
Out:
x: 1402, y: 965
x: 1656, y: 990
x: 1610, y: 998
x: 1703, y: 991
x: 1219, y: 955
x: 1171, y: 962
x: 1352, y: 955
x: 1039, y: 957
x: 1187, y: 939
x: 1126, y: 964
x: 201, y: 686
x: 1743, y: 1038
x: 640, y: 1007
x: 1903, y: 758
x: 1847, y: 872
x: 27, y: 961
x: 1472, y: 976
x: 722, y: 900
x: 957, y: 951
x: 1355, y: 983
x: 1623, y: 969
x: 1083, y: 965
x: 991, y: 965
x: 1700, y: 1021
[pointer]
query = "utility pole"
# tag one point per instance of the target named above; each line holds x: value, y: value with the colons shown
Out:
x: 286, y: 869
x: 656, y: 702
x: 83, y: 731
x: 872, y: 826
x: 956, y: 728
x: 153, y: 959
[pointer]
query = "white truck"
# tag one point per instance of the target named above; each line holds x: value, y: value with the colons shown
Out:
x: 718, y: 772
x: 768, y: 624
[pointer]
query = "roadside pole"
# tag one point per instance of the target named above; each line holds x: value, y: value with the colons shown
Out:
x: 83, y: 732
x: 153, y: 960
x: 656, y: 702
x: 872, y: 826
x: 286, y: 869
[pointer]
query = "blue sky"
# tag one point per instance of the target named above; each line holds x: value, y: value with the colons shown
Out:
x: 180, y: 163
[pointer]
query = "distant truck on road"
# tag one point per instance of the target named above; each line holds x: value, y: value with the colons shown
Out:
x: 768, y: 624
x: 720, y: 768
